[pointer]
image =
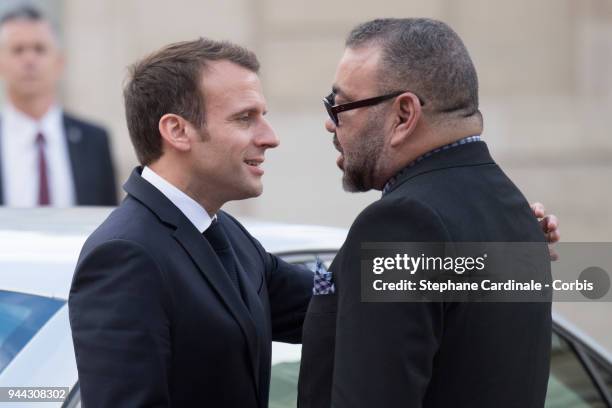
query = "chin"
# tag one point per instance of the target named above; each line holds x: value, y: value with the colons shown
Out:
x: 355, y: 182
x: 253, y: 191
x: 28, y: 92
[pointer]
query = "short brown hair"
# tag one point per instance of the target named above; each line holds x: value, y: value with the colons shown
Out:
x: 168, y: 81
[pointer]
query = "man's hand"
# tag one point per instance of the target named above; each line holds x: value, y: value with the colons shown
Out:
x: 550, y: 227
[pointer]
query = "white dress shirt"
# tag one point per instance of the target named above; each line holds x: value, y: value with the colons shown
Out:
x: 188, y: 206
x: 20, y: 173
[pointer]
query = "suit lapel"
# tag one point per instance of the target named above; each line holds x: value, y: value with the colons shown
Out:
x: 261, y: 325
x: 205, y: 258
x: 78, y: 157
x: 252, y: 299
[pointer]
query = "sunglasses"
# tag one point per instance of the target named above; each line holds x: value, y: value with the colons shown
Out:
x: 334, y: 110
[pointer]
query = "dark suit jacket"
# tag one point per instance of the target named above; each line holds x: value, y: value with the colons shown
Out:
x: 91, y: 162
x: 156, y: 320
x: 430, y: 354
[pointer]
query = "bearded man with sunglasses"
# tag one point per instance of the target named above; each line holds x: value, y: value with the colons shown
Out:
x: 405, y: 118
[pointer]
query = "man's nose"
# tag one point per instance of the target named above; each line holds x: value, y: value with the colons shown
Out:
x: 329, y: 126
x: 29, y: 59
x: 267, y: 138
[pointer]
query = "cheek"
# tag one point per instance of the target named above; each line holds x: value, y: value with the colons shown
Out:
x: 341, y: 135
x: 346, y: 138
x: 226, y: 148
x: 349, y: 133
x: 49, y: 67
x: 231, y: 156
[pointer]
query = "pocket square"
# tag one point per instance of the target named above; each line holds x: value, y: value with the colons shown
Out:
x: 323, y: 280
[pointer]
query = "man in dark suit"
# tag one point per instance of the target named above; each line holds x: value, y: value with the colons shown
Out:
x: 173, y: 303
x: 47, y: 157
x: 405, y: 118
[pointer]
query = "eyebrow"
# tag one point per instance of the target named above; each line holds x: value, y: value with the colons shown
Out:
x: 337, y: 91
x: 249, y: 110
x: 241, y: 112
x: 342, y: 94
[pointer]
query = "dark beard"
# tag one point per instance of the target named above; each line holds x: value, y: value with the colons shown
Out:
x: 359, y: 180
x: 360, y: 170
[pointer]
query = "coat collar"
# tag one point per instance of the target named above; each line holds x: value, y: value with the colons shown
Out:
x: 471, y: 154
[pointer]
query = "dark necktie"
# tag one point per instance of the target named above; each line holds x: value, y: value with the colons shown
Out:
x: 43, y: 182
x: 218, y: 240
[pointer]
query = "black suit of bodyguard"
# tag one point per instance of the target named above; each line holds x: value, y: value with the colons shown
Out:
x: 91, y: 163
x: 156, y: 320
x: 466, y: 355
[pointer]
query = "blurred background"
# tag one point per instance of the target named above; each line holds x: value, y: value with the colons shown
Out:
x: 545, y: 70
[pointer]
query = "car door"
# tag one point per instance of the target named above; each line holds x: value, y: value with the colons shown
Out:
x: 579, y: 376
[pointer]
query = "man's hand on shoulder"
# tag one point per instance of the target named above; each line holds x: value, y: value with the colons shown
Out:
x: 550, y: 227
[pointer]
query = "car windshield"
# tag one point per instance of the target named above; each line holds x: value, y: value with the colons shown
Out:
x: 21, y: 317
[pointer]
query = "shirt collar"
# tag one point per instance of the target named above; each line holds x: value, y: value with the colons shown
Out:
x: 49, y: 124
x: 188, y: 206
x: 24, y: 128
x: 398, y: 175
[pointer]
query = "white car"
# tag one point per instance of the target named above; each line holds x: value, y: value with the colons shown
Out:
x: 38, y: 253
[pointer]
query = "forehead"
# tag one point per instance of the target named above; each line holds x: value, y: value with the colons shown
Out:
x: 22, y: 30
x: 356, y: 74
x: 229, y: 86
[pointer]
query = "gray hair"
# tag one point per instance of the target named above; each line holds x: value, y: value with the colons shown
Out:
x: 24, y: 12
x: 426, y: 57
x: 31, y: 14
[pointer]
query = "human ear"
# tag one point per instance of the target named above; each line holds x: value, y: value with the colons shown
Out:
x: 407, y: 111
x: 174, y: 132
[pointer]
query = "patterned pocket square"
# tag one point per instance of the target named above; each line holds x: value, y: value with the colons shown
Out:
x: 323, y: 280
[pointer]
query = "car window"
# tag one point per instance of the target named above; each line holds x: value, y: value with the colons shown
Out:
x: 74, y: 397
x: 604, y: 370
x: 309, y: 260
x: 569, y: 384
x: 21, y: 316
